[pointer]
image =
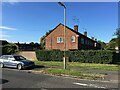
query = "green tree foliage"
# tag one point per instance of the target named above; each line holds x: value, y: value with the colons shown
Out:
x: 31, y: 43
x: 117, y: 33
x: 42, y: 42
x: 42, y: 39
x: 9, y: 49
x: 112, y: 44
x: 103, y: 44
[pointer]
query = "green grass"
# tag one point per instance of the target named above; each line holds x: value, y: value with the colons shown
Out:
x: 71, y: 73
x: 76, y: 69
x: 49, y: 63
x: 109, y: 67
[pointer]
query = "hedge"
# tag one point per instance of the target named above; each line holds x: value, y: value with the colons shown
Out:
x: 83, y: 56
x: 55, y: 55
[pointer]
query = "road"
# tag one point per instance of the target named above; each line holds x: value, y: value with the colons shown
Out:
x: 13, y: 78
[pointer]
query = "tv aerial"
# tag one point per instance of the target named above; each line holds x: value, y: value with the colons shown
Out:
x: 75, y: 20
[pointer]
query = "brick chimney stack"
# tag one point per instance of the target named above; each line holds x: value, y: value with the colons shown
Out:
x: 85, y: 33
x: 92, y: 38
x: 76, y: 28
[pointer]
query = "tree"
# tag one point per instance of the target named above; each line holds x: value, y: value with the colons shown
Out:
x: 31, y: 43
x: 103, y: 44
x: 117, y: 33
x: 9, y: 49
x: 42, y: 42
x: 42, y: 39
x: 112, y: 44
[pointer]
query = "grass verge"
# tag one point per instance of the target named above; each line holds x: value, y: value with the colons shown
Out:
x: 76, y: 69
x: 72, y: 73
x: 52, y: 64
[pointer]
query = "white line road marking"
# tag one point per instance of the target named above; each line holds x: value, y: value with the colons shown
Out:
x: 81, y: 84
x: 89, y: 85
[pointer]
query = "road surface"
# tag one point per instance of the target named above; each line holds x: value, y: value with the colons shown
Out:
x: 13, y: 78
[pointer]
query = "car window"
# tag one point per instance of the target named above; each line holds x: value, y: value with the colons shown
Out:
x: 5, y: 57
x: 10, y: 57
x: 19, y: 58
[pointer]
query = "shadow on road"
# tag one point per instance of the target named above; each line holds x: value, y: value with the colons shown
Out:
x: 2, y: 81
x: 35, y: 67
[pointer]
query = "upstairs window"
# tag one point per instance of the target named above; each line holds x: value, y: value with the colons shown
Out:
x: 82, y: 40
x: 73, y: 38
x: 59, y: 40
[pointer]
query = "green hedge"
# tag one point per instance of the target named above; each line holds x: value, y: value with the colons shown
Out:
x: 55, y: 55
x: 84, y: 56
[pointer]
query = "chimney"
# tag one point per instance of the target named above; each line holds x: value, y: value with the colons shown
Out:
x: 85, y: 33
x: 92, y: 38
x: 96, y: 39
x: 76, y: 28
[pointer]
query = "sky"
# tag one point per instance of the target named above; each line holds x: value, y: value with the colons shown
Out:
x: 28, y: 21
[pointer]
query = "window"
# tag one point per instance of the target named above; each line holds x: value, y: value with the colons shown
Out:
x: 73, y: 38
x: 82, y: 40
x: 86, y: 42
x: 5, y: 57
x: 59, y: 40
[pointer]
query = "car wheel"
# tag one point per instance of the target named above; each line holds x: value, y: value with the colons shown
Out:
x: 19, y: 66
x: 1, y: 65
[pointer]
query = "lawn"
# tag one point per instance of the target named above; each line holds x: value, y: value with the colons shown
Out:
x: 76, y: 69
x: 109, y: 67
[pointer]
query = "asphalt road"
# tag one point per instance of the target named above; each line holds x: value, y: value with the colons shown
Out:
x: 13, y: 78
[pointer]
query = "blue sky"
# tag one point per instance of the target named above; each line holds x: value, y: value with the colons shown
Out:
x: 28, y: 21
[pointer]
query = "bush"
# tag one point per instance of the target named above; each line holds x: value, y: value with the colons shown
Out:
x: 83, y: 56
x: 53, y: 55
x: 9, y: 49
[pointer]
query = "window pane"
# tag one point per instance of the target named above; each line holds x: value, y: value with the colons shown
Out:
x: 59, y: 39
x: 73, y: 38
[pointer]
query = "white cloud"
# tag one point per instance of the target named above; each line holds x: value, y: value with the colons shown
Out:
x: 11, y: 2
x: 7, y: 28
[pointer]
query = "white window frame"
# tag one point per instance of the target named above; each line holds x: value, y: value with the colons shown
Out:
x: 59, y: 39
x: 73, y: 39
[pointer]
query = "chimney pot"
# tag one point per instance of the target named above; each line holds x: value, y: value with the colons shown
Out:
x: 92, y: 38
x: 76, y: 28
x: 85, y: 33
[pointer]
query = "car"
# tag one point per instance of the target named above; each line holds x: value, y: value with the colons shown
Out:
x: 15, y: 61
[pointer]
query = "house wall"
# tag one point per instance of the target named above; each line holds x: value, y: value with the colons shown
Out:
x: 51, y: 39
x: 85, y: 46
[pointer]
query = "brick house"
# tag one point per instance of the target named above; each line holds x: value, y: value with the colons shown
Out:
x: 74, y: 40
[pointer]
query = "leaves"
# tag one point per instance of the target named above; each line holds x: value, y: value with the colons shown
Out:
x: 87, y: 56
x: 9, y: 49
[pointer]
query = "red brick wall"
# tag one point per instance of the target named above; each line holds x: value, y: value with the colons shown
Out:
x: 51, y: 39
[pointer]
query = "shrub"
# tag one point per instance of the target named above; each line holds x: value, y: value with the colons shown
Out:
x: 83, y: 56
x: 9, y: 49
x: 53, y: 55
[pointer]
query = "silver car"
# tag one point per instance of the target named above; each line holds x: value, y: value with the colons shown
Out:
x: 15, y: 61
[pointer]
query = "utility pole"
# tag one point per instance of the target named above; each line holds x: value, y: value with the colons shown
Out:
x: 64, y: 58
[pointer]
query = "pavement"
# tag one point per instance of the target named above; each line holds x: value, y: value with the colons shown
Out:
x: 13, y: 78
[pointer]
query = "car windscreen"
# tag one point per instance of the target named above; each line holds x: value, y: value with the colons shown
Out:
x: 19, y: 58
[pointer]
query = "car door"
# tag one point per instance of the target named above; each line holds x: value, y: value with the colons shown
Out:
x: 5, y: 60
x: 12, y: 62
